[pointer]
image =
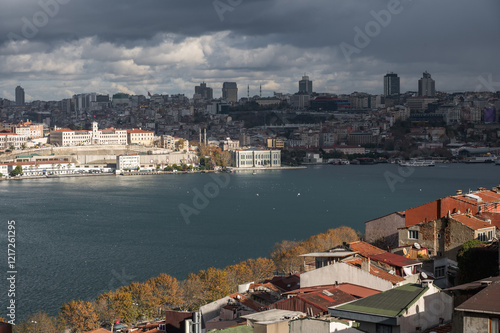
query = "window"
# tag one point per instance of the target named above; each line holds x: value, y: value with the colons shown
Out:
x: 413, y: 234
x: 483, y: 236
x: 494, y: 326
x: 439, y: 272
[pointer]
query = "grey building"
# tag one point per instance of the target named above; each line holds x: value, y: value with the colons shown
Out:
x: 305, y: 85
x: 230, y: 91
x: 426, y: 86
x: 204, y: 91
x: 19, y: 95
x: 391, y: 84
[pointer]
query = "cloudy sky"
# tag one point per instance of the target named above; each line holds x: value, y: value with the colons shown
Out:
x: 56, y: 48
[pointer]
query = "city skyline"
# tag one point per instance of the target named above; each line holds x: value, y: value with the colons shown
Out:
x: 57, y: 48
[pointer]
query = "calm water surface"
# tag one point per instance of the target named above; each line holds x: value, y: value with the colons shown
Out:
x: 79, y: 237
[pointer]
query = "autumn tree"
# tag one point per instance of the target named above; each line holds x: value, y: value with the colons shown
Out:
x: 113, y: 306
x: 192, y: 289
x: 79, y: 316
x: 251, y: 270
x: 286, y: 254
x: 142, y: 298
x: 167, y: 292
x: 39, y: 322
x: 215, y: 283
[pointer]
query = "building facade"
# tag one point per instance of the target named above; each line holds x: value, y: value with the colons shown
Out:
x: 426, y: 86
x: 391, y: 84
x: 230, y: 92
x: 305, y: 85
x: 66, y: 137
x: 253, y: 157
x: 127, y: 162
x: 19, y: 95
x: 138, y: 136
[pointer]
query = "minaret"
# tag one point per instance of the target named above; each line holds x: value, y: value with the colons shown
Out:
x: 248, y: 91
x: 261, y: 90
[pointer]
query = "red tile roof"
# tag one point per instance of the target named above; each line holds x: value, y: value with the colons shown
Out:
x: 471, y: 221
x: 318, y: 301
x: 394, y: 279
x: 349, y: 288
x: 493, y: 217
x: 137, y: 130
x: 394, y: 259
x: 365, y: 249
x: 249, y: 303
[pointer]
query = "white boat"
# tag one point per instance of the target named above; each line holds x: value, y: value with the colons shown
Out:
x: 417, y: 163
x: 497, y: 161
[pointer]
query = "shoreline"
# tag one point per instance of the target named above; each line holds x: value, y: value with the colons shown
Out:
x: 151, y: 173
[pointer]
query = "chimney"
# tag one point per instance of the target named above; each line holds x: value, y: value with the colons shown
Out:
x: 365, y: 264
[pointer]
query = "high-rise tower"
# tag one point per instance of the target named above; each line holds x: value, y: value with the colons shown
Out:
x: 305, y: 86
x: 391, y: 84
x: 19, y: 95
x: 230, y: 92
x: 426, y: 86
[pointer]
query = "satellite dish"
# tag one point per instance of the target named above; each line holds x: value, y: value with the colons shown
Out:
x: 424, y: 276
x: 404, y: 251
x: 417, y: 246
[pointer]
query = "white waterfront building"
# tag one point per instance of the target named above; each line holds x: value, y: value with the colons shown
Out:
x: 255, y: 157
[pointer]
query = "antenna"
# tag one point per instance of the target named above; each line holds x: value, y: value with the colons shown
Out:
x: 417, y: 246
x: 404, y: 251
x: 424, y: 276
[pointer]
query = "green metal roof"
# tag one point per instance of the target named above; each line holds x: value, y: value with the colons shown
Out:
x: 391, y: 303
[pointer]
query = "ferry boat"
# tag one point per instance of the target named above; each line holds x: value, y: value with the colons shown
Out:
x: 417, y: 163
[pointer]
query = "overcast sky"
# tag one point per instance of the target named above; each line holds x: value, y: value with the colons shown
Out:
x: 57, y: 48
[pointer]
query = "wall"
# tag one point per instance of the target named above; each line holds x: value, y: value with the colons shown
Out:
x: 427, y: 311
x: 343, y: 273
x: 383, y: 231
x: 277, y: 327
x: 475, y: 323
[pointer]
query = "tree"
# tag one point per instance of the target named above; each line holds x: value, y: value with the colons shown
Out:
x: 39, y: 322
x: 79, y: 316
x: 167, y: 292
x: 142, y: 299
x: 477, y: 260
x: 179, y: 144
x: 17, y: 171
x: 113, y: 306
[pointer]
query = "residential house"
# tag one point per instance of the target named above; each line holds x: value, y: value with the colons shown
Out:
x: 356, y: 272
x: 383, y: 231
x: 443, y: 238
x: 408, y: 308
x: 477, y: 306
x: 315, y: 302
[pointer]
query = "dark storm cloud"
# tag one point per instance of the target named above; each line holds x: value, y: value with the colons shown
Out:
x: 276, y: 41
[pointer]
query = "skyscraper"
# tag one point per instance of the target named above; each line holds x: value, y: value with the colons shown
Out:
x: 19, y: 95
x: 426, y: 86
x: 391, y: 84
x: 305, y: 86
x: 230, y: 92
x: 204, y: 91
